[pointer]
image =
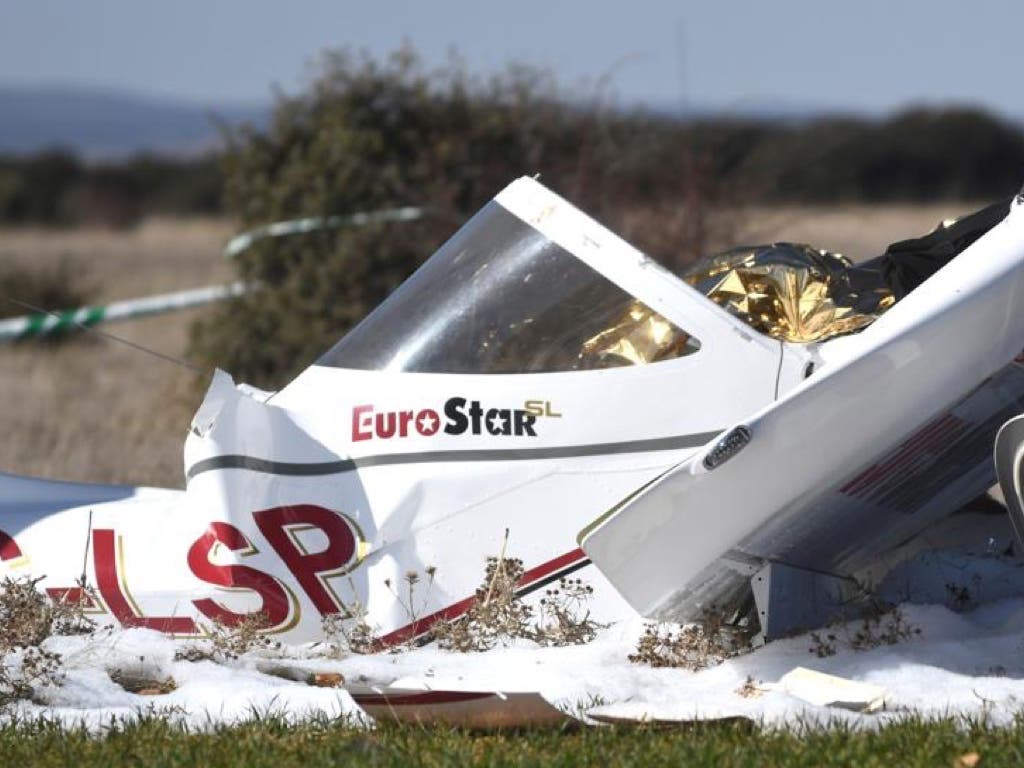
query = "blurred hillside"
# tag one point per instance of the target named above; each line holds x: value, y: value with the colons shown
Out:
x: 105, y: 124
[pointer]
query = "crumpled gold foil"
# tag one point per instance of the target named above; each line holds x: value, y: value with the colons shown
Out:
x: 641, y: 336
x: 793, y: 292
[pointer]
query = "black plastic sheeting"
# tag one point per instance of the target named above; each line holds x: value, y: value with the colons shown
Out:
x: 908, y: 263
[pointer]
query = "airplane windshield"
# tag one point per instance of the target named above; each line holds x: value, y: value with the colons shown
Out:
x: 499, y: 297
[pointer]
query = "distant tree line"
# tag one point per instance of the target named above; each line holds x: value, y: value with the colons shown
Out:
x: 56, y: 188
x: 917, y: 155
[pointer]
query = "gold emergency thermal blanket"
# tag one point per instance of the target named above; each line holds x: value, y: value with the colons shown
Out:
x: 793, y: 292
x: 641, y: 336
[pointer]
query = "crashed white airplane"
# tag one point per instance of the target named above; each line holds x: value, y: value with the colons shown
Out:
x: 777, y: 415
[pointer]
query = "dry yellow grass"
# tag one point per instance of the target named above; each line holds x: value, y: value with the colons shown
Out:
x: 94, y: 410
x: 857, y: 231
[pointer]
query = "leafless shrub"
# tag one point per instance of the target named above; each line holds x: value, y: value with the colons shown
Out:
x: 224, y: 642
x: 230, y: 642
x: 27, y: 619
x: 693, y: 647
x: 882, y: 627
x: 24, y: 670
x: 499, y: 615
x: 70, y: 612
x: 887, y: 628
x: 823, y: 644
x: 26, y: 614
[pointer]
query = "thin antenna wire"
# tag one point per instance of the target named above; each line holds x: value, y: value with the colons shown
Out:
x: 88, y: 538
x: 112, y: 337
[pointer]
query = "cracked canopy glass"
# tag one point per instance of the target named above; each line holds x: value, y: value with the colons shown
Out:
x: 500, y: 297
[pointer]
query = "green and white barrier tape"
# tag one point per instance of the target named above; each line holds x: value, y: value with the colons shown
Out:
x: 42, y: 324
x: 239, y: 243
x: 45, y: 323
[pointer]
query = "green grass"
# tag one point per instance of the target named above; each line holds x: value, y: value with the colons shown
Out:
x: 275, y: 744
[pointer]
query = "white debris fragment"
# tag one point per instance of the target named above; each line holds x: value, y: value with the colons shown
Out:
x: 831, y: 691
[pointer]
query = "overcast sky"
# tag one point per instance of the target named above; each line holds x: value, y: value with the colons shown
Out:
x: 864, y: 55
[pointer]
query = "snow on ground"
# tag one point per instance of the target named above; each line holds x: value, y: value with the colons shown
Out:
x: 207, y: 693
x: 960, y: 663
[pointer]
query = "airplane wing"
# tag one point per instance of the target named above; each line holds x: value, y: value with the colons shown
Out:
x: 851, y: 462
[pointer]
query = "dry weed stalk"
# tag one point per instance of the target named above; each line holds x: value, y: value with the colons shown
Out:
x: 564, y: 617
x: 349, y: 632
x: 694, y: 647
x: 408, y: 603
